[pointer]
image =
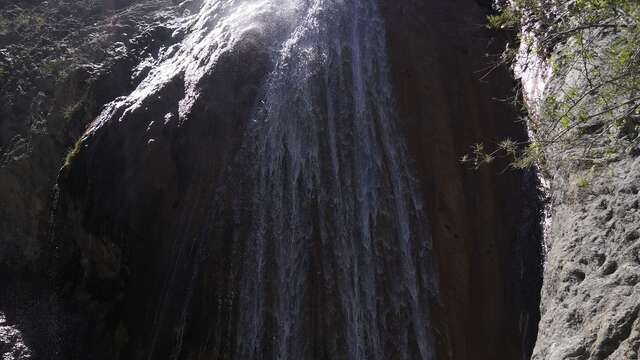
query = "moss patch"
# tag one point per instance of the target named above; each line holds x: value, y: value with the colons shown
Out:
x: 72, y: 153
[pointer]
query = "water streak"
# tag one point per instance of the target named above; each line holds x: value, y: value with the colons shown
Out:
x: 332, y: 173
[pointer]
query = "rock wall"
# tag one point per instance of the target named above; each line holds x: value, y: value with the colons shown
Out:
x: 485, y: 223
x: 59, y: 63
x: 590, y: 297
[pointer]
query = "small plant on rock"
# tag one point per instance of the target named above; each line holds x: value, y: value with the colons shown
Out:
x: 73, y: 152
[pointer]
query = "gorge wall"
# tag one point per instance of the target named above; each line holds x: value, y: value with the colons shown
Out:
x: 590, y: 298
x: 275, y: 180
x: 484, y: 223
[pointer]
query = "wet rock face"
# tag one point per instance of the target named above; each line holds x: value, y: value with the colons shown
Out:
x: 161, y: 202
x: 186, y: 214
x: 296, y: 245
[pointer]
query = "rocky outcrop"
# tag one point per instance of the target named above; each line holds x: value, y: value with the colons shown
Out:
x: 59, y: 63
x: 591, y: 292
x: 12, y: 345
x: 591, y: 296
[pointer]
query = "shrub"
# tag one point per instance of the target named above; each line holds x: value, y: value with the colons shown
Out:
x: 593, y: 47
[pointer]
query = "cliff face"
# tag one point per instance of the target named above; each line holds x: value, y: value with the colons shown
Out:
x: 189, y: 225
x: 60, y: 62
x: 590, y: 297
x: 485, y: 223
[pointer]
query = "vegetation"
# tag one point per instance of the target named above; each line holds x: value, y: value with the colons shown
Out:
x: 73, y: 152
x: 593, y: 49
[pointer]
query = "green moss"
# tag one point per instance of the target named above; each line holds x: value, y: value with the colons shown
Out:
x: 581, y: 181
x: 72, y: 153
x: 506, y: 19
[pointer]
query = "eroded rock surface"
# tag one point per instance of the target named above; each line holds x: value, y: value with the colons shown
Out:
x: 591, y: 293
x: 12, y: 346
x: 59, y: 63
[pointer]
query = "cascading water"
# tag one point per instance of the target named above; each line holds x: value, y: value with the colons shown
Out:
x: 337, y: 255
x: 332, y: 173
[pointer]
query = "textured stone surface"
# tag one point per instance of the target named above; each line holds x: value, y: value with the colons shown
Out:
x: 12, y: 346
x: 59, y: 63
x: 591, y: 293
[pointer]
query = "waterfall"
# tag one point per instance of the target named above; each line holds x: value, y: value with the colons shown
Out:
x: 333, y: 174
x: 338, y: 251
